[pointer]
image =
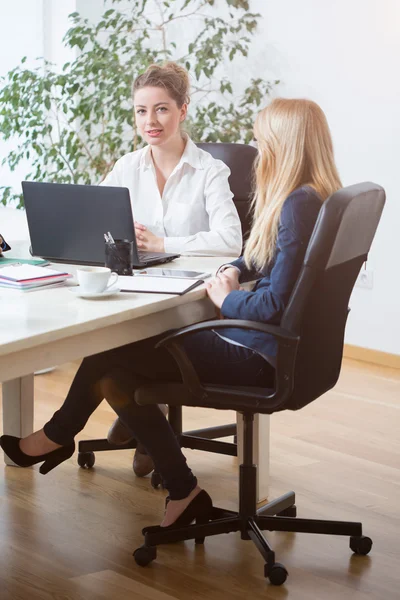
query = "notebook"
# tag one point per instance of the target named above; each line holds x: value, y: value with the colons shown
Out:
x: 157, y: 285
x: 30, y: 288
x: 29, y: 276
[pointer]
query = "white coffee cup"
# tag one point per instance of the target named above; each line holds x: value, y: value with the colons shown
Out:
x: 95, y: 280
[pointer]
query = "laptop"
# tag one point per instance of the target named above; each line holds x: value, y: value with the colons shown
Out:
x: 67, y: 223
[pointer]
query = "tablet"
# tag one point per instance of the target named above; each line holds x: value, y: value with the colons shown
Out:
x: 181, y: 273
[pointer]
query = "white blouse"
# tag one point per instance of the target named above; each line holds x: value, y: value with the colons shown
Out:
x: 195, y: 214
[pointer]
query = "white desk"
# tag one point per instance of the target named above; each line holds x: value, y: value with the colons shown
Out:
x: 43, y: 328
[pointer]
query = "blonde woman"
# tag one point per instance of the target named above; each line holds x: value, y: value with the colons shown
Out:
x: 295, y: 174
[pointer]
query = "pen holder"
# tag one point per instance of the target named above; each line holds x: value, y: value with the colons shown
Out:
x: 119, y: 256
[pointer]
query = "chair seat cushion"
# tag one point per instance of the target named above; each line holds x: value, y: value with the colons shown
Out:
x: 222, y: 397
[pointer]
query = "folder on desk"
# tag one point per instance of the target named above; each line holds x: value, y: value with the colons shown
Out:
x: 39, y: 262
x: 157, y: 285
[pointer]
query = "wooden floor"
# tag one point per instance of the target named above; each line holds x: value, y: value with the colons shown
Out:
x: 70, y: 535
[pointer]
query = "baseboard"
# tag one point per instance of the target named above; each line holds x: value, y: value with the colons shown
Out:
x: 372, y: 356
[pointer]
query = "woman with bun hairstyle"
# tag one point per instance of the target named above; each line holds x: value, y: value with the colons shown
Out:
x: 181, y: 200
x: 180, y: 195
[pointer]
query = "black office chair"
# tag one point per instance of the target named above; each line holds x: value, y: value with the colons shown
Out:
x: 310, y: 346
x: 239, y: 158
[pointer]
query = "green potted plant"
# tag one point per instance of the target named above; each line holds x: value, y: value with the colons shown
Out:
x: 73, y: 125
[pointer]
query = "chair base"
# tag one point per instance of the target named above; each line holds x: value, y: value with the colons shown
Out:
x: 199, y: 439
x: 279, y: 515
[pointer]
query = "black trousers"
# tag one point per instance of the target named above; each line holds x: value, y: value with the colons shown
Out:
x: 122, y: 370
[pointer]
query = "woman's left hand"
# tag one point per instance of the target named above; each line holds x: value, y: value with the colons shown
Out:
x: 219, y: 287
x: 147, y: 240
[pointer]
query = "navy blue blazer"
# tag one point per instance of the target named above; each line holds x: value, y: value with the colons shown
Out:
x: 275, y: 282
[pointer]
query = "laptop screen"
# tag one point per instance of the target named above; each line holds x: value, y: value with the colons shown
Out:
x: 67, y: 222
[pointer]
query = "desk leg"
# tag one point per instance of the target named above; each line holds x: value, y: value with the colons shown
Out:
x: 18, y: 408
x: 260, y: 451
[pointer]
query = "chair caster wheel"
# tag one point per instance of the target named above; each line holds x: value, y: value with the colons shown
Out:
x: 156, y: 480
x: 276, y: 573
x: 360, y: 544
x: 145, y: 555
x: 288, y: 512
x: 86, y: 460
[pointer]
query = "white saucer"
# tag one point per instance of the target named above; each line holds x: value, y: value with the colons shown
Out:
x: 77, y: 291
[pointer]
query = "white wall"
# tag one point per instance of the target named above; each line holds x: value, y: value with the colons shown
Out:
x: 345, y: 56
x: 31, y: 28
x: 56, y: 24
x: 21, y: 34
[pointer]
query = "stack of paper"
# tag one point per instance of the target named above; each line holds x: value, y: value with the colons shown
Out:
x: 28, y: 277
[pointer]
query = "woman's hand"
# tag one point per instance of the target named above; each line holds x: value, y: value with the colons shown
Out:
x: 219, y: 287
x: 233, y: 274
x: 147, y: 240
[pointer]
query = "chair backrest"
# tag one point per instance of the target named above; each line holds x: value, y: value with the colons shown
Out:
x: 239, y: 158
x: 318, y: 307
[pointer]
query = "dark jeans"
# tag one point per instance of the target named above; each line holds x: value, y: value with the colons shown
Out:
x: 127, y: 368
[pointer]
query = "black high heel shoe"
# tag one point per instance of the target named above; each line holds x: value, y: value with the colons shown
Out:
x: 50, y: 460
x: 199, y: 509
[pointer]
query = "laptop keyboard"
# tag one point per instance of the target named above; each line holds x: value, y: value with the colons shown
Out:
x: 145, y: 256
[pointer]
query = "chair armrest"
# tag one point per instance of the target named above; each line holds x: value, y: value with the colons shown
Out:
x: 287, y: 350
x: 275, y: 330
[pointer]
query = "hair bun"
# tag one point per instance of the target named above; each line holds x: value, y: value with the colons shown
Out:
x: 169, y: 75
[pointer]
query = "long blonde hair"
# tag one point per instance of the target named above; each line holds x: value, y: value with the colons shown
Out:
x: 294, y: 149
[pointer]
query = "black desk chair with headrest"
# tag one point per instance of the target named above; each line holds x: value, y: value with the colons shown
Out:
x: 239, y: 158
x: 310, y: 338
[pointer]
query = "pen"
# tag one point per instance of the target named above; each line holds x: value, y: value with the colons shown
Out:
x: 113, y: 247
